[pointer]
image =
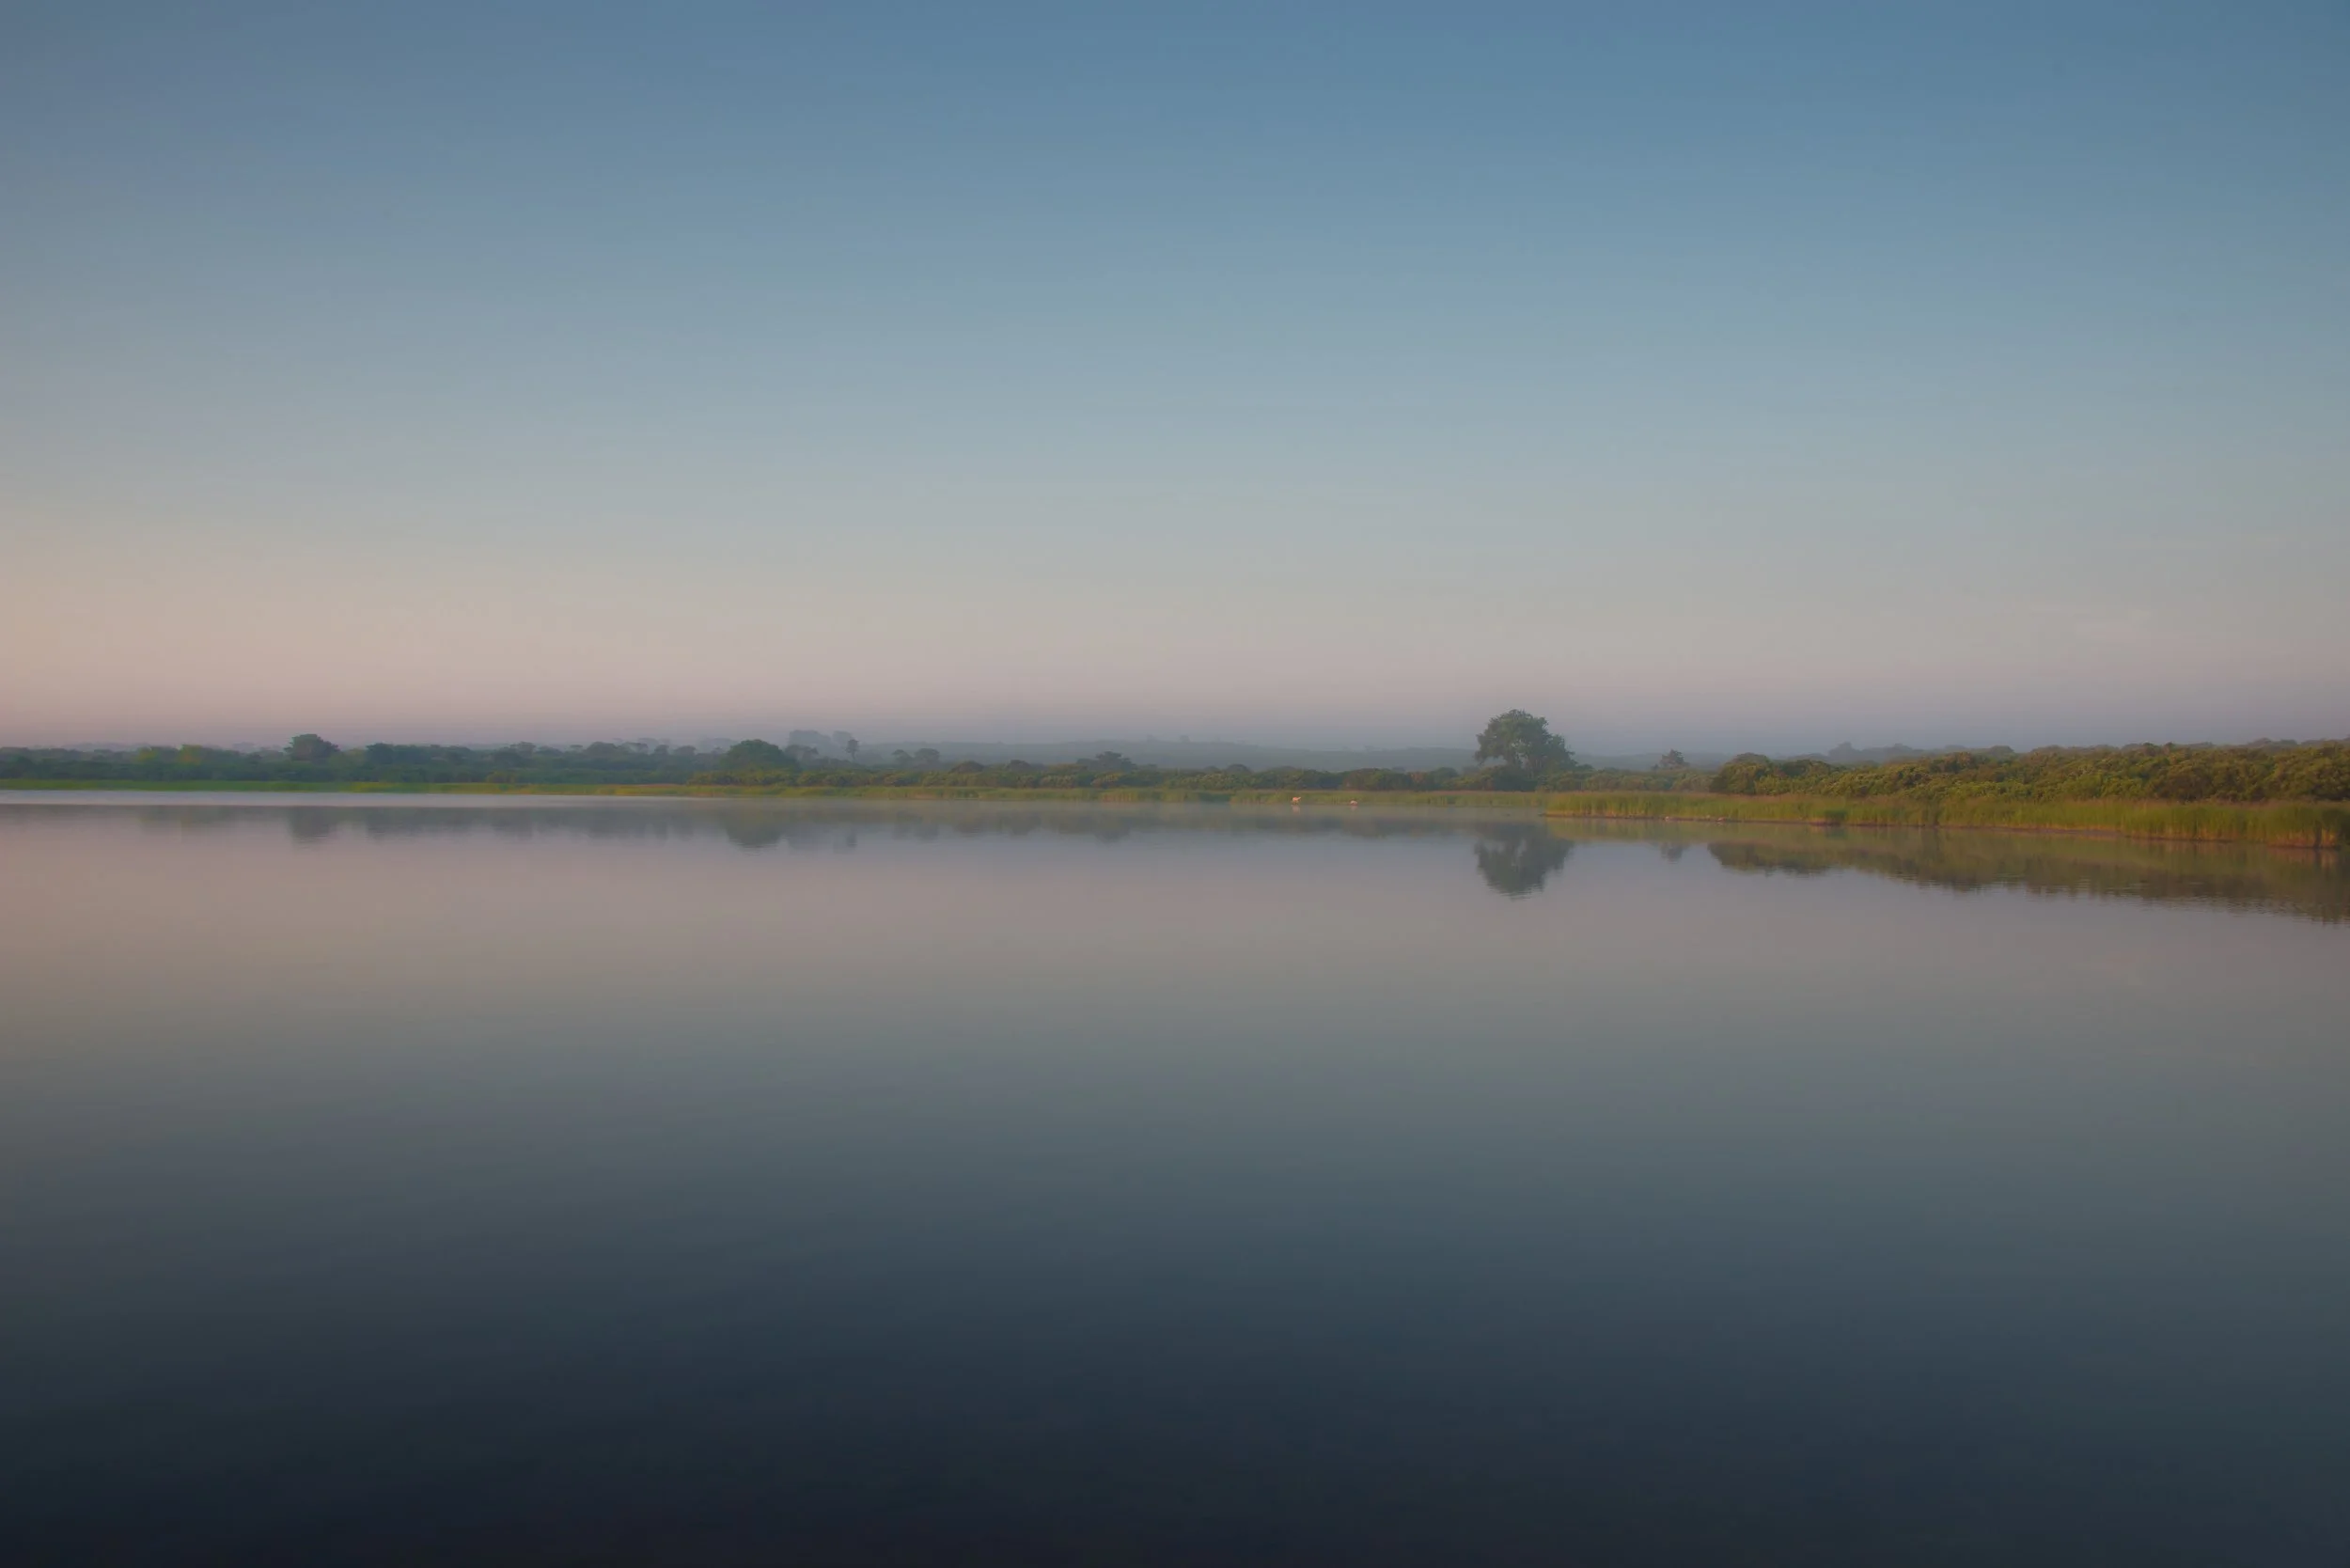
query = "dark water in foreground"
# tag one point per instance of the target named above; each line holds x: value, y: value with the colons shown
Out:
x: 688, y: 1182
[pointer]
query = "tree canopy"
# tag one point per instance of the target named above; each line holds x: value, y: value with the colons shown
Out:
x: 1522, y: 742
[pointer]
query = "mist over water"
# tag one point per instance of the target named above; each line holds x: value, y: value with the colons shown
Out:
x: 853, y: 1182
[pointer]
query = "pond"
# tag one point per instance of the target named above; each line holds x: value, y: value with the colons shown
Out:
x: 529, y: 1180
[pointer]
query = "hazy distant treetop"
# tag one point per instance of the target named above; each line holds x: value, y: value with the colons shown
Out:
x: 1672, y: 761
x: 306, y: 747
x: 1519, y: 740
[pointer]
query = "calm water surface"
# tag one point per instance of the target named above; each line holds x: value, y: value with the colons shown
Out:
x: 696, y: 1183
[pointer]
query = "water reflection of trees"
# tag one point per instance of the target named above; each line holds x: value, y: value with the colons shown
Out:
x: 791, y: 825
x: 2240, y: 876
x: 1514, y: 855
x: 1516, y: 862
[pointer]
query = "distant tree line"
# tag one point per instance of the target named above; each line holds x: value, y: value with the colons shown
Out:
x: 308, y: 760
x: 749, y: 763
x: 1517, y: 752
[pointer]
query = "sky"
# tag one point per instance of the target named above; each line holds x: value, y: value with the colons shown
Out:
x: 1710, y: 376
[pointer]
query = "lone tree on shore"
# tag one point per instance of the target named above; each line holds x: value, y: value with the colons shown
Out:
x: 1522, y: 743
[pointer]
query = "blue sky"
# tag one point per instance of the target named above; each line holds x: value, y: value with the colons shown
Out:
x: 1694, y: 375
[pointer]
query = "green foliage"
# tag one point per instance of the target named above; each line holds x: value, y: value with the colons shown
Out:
x: 753, y: 763
x: 752, y: 755
x: 2273, y: 791
x: 2270, y: 792
x: 381, y: 764
x: 1523, y: 748
x: 2263, y: 771
x: 1753, y: 774
x: 1646, y: 780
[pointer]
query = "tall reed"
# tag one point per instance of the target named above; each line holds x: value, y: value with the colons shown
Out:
x: 2311, y: 825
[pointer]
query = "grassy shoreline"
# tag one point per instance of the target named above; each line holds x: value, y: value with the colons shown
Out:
x: 2293, y: 824
x: 1490, y: 800
x: 2305, y: 825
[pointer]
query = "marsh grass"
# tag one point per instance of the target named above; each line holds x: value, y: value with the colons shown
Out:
x: 2306, y: 825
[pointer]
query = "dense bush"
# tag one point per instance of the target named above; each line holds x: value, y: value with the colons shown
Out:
x: 2265, y: 770
x: 311, y: 762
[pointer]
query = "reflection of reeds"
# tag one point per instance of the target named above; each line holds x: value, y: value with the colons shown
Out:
x: 2313, y: 883
x: 2242, y: 876
x: 2287, y: 824
x: 2304, y: 824
x: 1514, y: 853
